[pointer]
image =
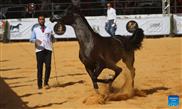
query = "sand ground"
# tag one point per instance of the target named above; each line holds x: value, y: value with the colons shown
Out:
x: 158, y: 72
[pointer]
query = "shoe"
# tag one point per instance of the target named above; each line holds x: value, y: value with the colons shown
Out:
x: 47, y: 87
x: 40, y: 91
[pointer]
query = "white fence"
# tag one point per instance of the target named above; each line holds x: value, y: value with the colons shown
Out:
x: 151, y: 24
x: 177, y: 24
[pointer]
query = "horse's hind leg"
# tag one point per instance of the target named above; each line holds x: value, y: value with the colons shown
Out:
x: 115, y: 68
x: 110, y: 80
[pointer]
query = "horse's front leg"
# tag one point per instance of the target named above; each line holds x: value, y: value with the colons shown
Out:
x: 94, y: 73
x: 93, y: 77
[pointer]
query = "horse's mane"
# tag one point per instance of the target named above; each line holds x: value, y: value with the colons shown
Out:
x: 90, y: 28
x: 130, y: 42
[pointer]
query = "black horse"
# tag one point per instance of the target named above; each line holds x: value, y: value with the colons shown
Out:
x: 12, y: 27
x: 97, y: 52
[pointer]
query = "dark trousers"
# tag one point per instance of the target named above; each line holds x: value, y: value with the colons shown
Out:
x: 109, y: 28
x: 43, y: 57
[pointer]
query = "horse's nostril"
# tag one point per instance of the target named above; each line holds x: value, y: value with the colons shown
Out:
x: 52, y: 19
x: 55, y: 18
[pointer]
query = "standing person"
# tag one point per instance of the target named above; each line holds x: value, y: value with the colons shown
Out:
x: 42, y: 37
x: 110, y: 25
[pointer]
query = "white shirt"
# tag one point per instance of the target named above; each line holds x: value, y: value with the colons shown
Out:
x: 111, y: 14
x: 44, y: 37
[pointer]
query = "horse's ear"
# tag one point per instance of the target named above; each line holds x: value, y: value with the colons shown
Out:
x: 76, y: 3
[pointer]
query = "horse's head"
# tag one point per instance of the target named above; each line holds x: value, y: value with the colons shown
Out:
x: 68, y: 16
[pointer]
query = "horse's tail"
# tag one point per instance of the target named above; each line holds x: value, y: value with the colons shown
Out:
x: 136, y: 39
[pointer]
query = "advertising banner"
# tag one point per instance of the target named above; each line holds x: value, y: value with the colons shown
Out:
x: 177, y: 23
x: 151, y: 24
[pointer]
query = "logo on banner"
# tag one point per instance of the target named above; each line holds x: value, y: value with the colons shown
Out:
x: 15, y: 28
x: 131, y: 26
x: 173, y: 100
x: 155, y: 25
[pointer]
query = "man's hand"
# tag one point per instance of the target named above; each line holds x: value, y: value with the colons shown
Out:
x: 113, y: 24
x: 53, y: 39
x: 37, y: 43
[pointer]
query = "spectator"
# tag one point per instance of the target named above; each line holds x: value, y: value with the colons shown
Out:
x: 110, y: 25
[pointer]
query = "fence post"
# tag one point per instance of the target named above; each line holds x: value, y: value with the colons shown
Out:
x: 172, y: 25
x: 165, y: 7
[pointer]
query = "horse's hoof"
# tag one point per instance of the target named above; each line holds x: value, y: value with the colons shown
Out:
x: 95, y: 85
x: 110, y: 78
x: 97, y: 91
x: 110, y: 87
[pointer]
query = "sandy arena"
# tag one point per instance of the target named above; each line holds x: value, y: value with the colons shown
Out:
x: 158, y: 74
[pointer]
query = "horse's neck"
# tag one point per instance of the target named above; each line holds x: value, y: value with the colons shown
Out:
x: 83, y: 30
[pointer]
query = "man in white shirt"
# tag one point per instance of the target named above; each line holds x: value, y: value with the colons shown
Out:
x: 110, y: 26
x: 42, y: 37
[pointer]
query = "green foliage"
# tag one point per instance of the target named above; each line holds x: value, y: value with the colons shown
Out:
x: 6, y: 35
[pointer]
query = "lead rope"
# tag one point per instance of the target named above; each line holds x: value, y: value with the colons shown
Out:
x: 55, y: 68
